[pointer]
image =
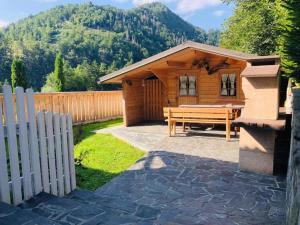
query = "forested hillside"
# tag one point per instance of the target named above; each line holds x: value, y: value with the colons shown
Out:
x: 93, y: 38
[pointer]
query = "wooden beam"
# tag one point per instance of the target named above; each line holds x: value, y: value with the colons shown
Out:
x: 162, y: 76
x: 176, y: 64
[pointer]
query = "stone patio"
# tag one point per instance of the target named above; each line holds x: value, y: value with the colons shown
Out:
x: 190, y: 179
x: 193, y: 178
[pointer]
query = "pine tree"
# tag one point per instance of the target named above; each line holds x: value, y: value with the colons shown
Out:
x: 59, y: 73
x: 18, y: 74
x: 289, y: 46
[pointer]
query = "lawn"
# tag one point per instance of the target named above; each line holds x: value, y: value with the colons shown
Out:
x: 101, y: 157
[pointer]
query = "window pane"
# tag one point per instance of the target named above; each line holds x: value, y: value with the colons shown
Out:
x: 192, y: 85
x: 183, y: 85
x: 224, y: 91
x: 232, y: 79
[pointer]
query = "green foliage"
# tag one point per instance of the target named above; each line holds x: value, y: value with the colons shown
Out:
x: 88, y: 33
x: 59, y: 78
x: 288, y: 41
x: 101, y: 157
x: 55, y: 81
x: 252, y: 28
x: 18, y: 74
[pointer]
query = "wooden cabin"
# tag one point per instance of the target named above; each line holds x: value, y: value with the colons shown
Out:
x: 189, y: 74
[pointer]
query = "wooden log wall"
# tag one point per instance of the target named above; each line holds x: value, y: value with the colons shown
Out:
x: 133, y: 94
x: 85, y: 107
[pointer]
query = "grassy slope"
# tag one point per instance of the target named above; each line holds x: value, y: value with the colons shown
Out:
x: 101, y: 157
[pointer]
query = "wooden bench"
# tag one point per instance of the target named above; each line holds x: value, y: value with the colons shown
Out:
x: 198, y: 115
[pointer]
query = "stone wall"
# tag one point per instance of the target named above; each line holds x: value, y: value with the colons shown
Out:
x: 293, y: 179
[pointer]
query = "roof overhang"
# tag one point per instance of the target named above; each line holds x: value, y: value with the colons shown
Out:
x: 261, y: 71
x: 116, y: 76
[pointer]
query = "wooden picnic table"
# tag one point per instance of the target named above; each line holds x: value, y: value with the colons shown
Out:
x: 236, y: 109
x: 231, y: 106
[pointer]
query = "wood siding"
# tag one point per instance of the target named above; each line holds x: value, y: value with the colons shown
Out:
x: 133, y: 94
x: 208, y: 88
x: 154, y: 100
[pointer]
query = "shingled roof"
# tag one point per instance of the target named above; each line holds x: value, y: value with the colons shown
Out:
x: 192, y: 45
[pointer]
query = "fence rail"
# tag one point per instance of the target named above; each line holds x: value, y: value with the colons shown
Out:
x: 85, y: 107
x: 36, y: 150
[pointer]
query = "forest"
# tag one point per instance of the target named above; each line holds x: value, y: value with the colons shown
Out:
x: 93, y: 41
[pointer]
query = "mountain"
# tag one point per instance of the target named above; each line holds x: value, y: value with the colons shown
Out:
x: 92, y: 34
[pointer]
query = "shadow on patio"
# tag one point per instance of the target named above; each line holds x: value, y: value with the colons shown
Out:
x: 172, y: 188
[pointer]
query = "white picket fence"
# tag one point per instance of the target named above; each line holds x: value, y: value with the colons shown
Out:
x: 36, y: 150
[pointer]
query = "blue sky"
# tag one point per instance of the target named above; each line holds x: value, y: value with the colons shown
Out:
x: 206, y: 14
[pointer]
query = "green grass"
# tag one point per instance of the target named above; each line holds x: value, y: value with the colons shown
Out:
x: 101, y: 157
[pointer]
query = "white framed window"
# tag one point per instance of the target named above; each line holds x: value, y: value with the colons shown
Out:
x: 187, y: 85
x: 228, y: 84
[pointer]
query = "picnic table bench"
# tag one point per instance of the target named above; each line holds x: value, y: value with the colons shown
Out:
x: 198, y: 115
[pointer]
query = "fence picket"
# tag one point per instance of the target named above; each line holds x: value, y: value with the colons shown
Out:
x: 59, y: 166
x: 33, y: 141
x: 71, y: 152
x: 51, y: 153
x: 4, y: 186
x: 65, y: 153
x: 43, y: 152
x: 24, y: 148
x: 12, y: 145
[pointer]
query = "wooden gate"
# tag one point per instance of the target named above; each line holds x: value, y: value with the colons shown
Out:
x: 154, y: 100
x: 36, y: 150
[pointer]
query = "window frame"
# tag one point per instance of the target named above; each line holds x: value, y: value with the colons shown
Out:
x: 188, y: 84
x: 237, y: 83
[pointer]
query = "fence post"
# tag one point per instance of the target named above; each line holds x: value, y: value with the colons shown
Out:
x: 4, y: 186
x: 12, y: 145
x: 24, y: 148
x: 71, y: 152
x: 34, y: 153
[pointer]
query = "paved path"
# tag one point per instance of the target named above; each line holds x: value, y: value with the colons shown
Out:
x: 193, y: 179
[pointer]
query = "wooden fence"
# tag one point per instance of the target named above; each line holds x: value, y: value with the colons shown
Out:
x: 85, y: 107
x: 36, y: 150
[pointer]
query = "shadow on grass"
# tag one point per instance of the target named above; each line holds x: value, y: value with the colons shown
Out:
x: 83, y: 131
x: 91, y: 179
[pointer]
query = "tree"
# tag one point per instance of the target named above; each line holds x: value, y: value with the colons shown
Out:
x: 18, y: 74
x: 55, y: 81
x: 288, y: 41
x: 252, y: 28
x: 59, y: 79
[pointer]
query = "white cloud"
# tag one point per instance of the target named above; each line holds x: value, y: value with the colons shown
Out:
x: 219, y: 13
x: 187, y: 6
x: 182, y: 6
x: 3, y: 23
x: 142, y: 2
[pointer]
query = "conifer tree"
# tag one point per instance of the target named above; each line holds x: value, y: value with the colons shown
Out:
x: 289, y: 40
x: 18, y: 74
x: 59, y: 73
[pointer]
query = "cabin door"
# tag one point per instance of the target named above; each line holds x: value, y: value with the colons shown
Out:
x: 153, y: 99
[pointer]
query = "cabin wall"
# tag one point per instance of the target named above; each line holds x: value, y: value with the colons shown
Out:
x: 133, y: 95
x: 208, y: 87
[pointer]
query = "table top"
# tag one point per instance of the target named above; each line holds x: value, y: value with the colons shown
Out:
x: 214, y: 106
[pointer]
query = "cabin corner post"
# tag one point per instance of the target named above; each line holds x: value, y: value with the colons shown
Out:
x: 124, y: 103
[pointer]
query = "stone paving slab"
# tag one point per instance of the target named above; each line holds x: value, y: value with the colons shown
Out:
x: 10, y: 215
x: 196, y: 142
